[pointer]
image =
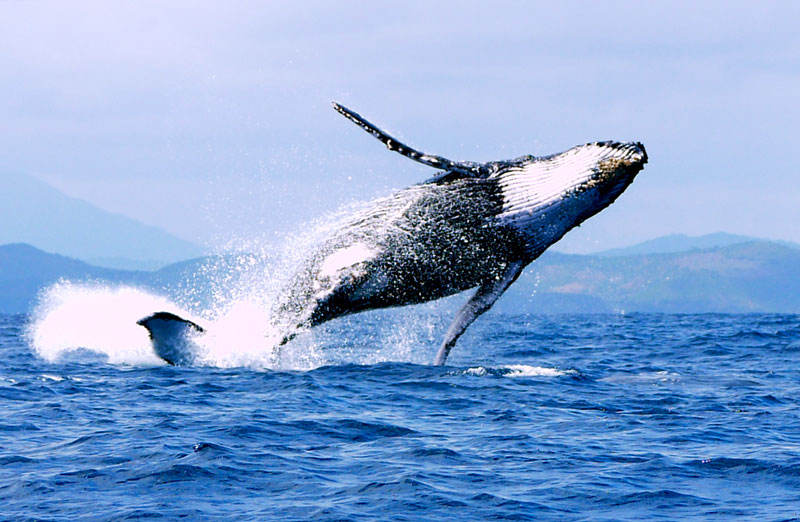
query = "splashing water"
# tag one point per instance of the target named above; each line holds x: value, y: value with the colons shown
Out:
x: 97, y: 318
x: 231, y: 296
x: 102, y: 319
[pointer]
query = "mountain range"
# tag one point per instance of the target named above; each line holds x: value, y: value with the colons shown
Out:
x: 753, y: 276
x: 33, y: 212
x: 739, y: 277
x: 682, y: 243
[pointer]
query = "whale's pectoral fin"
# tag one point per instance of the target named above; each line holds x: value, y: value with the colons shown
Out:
x: 172, y: 337
x: 484, y: 298
x: 466, y: 168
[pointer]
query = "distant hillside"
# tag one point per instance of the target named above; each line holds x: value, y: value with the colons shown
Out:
x: 683, y: 243
x: 25, y: 270
x: 35, y: 213
x: 745, y: 277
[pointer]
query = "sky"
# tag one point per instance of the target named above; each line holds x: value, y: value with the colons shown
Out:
x: 213, y: 120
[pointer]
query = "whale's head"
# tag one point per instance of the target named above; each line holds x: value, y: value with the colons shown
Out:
x: 543, y: 198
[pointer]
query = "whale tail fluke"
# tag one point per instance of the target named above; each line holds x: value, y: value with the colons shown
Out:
x: 173, y: 337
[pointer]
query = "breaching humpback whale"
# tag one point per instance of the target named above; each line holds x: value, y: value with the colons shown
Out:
x: 473, y: 225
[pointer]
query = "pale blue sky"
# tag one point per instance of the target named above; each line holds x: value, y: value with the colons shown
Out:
x: 213, y: 120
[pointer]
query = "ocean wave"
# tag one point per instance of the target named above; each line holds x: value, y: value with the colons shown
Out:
x: 748, y: 466
x: 591, y: 427
x: 659, y: 499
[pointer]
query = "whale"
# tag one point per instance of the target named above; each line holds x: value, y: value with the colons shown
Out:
x: 472, y: 226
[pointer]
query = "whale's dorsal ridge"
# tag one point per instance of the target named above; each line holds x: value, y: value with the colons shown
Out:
x: 464, y: 168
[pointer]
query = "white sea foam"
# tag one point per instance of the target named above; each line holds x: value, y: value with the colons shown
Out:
x: 518, y: 370
x: 102, y: 319
x: 658, y: 377
x: 97, y: 318
x: 244, y: 337
x: 522, y: 370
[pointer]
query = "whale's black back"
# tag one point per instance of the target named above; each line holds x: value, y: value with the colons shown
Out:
x: 456, y: 243
x: 430, y: 241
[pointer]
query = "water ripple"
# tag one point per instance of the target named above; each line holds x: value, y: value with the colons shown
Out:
x: 606, y: 417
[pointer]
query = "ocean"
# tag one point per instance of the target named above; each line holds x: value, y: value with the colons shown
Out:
x: 563, y: 417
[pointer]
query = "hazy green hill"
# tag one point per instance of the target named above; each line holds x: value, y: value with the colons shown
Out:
x: 24, y: 270
x: 746, y: 277
x: 678, y: 243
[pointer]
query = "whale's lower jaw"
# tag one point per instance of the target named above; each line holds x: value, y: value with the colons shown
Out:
x: 173, y: 338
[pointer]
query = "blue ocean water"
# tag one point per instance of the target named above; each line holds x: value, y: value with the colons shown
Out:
x: 575, y: 417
